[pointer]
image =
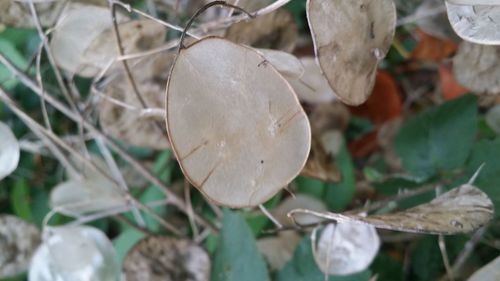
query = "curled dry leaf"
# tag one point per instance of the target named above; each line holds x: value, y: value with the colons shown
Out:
x: 235, y: 124
x: 276, y: 30
x: 345, y: 248
x: 278, y: 250
x: 300, y: 201
x: 127, y: 124
x: 477, y: 67
x: 312, y: 87
x: 489, y: 272
x: 460, y: 210
x: 77, y: 253
x: 158, y: 258
x: 18, y: 242
x: 9, y: 151
x: 350, y: 39
x: 475, y: 23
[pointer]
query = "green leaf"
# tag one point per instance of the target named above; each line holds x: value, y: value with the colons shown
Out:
x: 427, y: 262
x: 387, y: 268
x: 237, y: 257
x: 487, y: 152
x: 125, y: 241
x: 10, y: 51
x: 302, y: 267
x: 438, y: 139
x: 153, y: 195
x: 20, y: 200
x: 310, y: 186
x: 339, y: 195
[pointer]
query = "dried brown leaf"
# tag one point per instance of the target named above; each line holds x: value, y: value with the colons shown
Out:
x: 350, y: 39
x: 460, y: 210
x: 158, y: 258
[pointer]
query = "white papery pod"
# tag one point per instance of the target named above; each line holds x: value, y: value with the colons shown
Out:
x: 345, y: 248
x: 76, y: 253
x: 475, y: 2
x: 477, y: 67
x: 78, y: 197
x: 9, y: 151
x: 478, y: 23
x: 350, y: 39
x: 489, y: 272
x: 300, y: 201
x: 234, y: 123
x: 312, y: 86
x: 287, y: 64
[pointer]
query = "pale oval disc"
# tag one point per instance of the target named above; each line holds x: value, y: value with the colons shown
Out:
x: 287, y: 64
x: 302, y: 201
x: 312, y: 86
x: 158, y: 258
x: 475, y: 23
x: 9, y: 151
x: 477, y: 67
x: 78, y: 197
x: 350, y: 39
x: 235, y: 124
x: 346, y: 248
x: 18, y: 242
x: 460, y: 210
x: 77, y: 253
x: 77, y: 27
x: 474, y: 2
x: 489, y: 272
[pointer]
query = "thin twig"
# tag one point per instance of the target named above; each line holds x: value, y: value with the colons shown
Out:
x: 270, y: 216
x: 446, y: 259
x: 174, y: 199
x: 50, y: 56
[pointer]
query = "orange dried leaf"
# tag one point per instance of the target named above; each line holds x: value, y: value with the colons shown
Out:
x: 449, y: 85
x: 431, y: 48
x: 385, y: 102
